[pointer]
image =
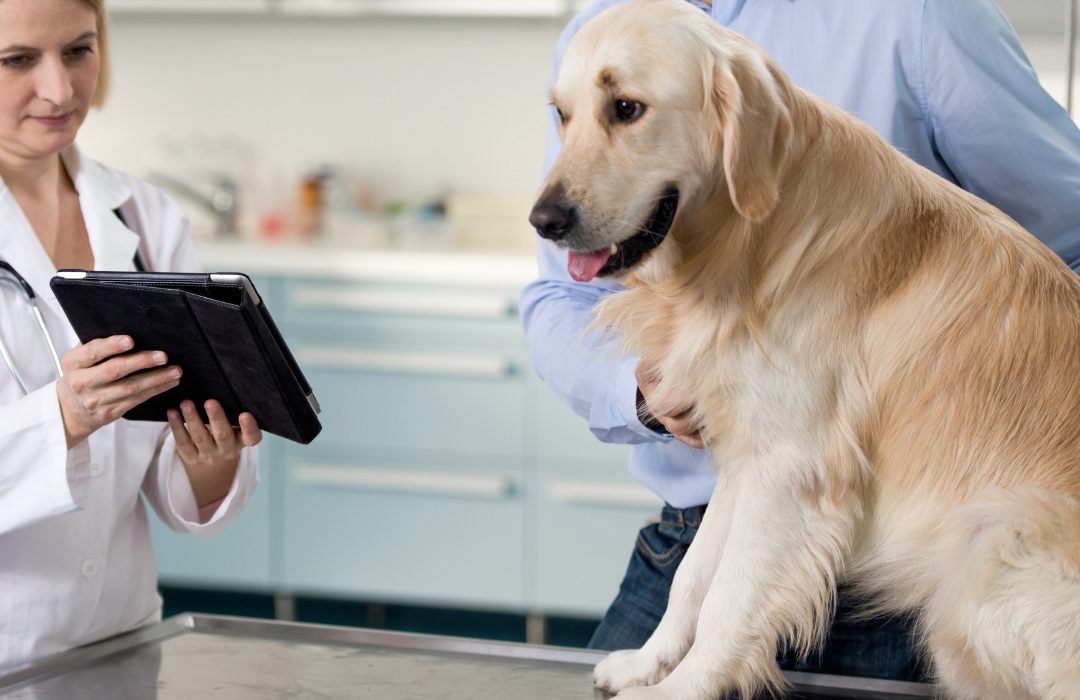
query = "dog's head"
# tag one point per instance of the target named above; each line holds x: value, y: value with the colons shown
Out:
x: 658, y: 107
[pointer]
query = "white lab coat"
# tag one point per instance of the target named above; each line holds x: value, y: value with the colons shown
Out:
x: 76, y: 562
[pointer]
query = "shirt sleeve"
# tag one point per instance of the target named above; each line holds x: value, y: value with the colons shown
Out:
x: 995, y: 128
x: 583, y: 368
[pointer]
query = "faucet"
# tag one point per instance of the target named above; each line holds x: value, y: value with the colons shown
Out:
x: 221, y: 200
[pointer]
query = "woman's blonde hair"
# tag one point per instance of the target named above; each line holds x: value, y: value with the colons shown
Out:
x: 98, y: 6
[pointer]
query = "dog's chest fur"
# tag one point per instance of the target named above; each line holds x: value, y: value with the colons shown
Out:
x: 761, y: 393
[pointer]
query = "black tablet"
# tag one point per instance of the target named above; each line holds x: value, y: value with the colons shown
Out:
x: 214, y: 326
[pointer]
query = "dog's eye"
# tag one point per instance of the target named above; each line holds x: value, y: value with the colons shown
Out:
x: 628, y: 110
x: 558, y: 112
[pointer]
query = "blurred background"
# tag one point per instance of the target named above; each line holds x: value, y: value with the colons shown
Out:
x: 391, y: 108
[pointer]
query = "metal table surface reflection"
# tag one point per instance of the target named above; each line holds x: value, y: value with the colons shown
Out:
x: 230, y: 658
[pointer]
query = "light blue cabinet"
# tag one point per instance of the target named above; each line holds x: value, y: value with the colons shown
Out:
x: 446, y: 473
x: 586, y: 512
x: 388, y: 531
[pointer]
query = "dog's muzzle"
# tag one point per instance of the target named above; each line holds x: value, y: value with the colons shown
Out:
x: 583, y: 266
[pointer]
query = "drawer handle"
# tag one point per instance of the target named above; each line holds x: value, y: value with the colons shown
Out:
x: 602, y: 494
x: 470, y: 366
x: 403, y: 481
x: 456, y: 305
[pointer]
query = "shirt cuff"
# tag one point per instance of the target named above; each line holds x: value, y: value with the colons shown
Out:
x: 626, y: 392
x: 206, y: 512
x: 179, y: 496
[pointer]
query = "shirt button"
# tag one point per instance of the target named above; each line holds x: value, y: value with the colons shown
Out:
x: 89, y: 568
x: 96, y: 469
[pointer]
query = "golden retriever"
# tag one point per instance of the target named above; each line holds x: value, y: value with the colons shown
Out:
x: 886, y: 368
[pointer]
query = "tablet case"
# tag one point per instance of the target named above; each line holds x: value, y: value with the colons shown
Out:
x: 213, y: 326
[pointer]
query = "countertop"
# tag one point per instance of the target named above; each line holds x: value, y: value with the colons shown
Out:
x: 467, y: 267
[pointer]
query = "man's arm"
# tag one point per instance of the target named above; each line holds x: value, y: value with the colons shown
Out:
x: 1002, y: 136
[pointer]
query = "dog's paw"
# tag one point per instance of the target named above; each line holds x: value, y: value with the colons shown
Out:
x: 628, y: 669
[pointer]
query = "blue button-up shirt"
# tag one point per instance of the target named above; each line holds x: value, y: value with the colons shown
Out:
x: 945, y: 81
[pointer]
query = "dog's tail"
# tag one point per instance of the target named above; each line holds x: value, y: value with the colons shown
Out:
x: 1005, y: 622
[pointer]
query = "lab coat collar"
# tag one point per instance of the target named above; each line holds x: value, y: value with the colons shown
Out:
x: 94, y: 180
x: 100, y: 192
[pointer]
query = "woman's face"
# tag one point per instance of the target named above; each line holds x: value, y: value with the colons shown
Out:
x: 48, y: 74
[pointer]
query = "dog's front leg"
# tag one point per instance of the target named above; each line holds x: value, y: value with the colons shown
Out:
x: 672, y: 638
x: 774, y: 582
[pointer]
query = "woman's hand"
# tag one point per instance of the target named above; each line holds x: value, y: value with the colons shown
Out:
x: 100, y: 384
x: 673, y: 411
x: 211, y: 453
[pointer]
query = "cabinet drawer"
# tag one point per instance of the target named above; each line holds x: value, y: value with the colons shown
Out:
x: 396, y: 533
x: 322, y: 300
x: 401, y: 334
x: 329, y: 298
x: 423, y: 400
x: 576, y: 576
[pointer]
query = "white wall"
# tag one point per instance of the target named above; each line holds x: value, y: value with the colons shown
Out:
x: 413, y: 106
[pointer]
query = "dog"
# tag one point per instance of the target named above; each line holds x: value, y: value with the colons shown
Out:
x: 885, y: 367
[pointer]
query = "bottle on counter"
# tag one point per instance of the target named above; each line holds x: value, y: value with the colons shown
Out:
x: 311, y: 202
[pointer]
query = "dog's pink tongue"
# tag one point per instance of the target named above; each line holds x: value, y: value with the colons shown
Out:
x: 584, y: 266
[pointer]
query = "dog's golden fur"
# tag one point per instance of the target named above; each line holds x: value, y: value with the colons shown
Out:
x: 886, y: 368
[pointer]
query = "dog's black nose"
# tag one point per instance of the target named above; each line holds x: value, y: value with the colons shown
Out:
x: 552, y: 221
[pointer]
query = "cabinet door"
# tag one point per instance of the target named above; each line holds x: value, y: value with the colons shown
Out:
x: 587, y: 511
x: 586, y: 527
x: 411, y: 367
x: 385, y: 530
x: 434, y: 399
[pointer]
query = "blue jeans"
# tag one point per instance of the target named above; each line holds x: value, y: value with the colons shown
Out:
x: 879, y: 648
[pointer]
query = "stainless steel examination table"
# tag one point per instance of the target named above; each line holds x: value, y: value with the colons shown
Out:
x: 229, y: 658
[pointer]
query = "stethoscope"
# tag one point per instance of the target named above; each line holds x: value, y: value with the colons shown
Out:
x: 31, y: 300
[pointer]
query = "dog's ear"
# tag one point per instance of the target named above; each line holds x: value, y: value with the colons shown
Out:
x: 753, y: 129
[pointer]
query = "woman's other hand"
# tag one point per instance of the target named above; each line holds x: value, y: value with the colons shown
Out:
x: 211, y: 453
x: 100, y: 383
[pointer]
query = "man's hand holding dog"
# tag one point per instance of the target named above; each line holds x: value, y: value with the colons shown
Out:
x: 672, y: 411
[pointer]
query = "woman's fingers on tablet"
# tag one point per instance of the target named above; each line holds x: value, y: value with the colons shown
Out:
x: 91, y: 353
x: 184, y: 446
x: 250, y: 433
x: 220, y: 428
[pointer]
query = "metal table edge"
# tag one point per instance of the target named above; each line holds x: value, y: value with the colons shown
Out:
x: 313, y: 633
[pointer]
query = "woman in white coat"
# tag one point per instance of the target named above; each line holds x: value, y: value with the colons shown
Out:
x: 76, y: 563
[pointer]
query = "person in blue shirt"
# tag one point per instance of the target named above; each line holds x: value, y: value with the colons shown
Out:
x: 948, y: 84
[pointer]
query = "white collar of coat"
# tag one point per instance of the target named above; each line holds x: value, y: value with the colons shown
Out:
x: 100, y: 192
x: 94, y: 180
